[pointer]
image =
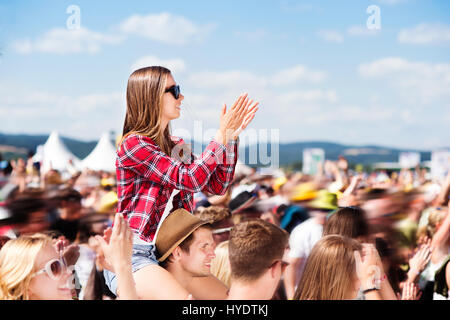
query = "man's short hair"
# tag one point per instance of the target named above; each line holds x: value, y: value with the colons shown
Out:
x: 254, y: 246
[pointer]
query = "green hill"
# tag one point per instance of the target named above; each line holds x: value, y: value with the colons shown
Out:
x: 289, y: 153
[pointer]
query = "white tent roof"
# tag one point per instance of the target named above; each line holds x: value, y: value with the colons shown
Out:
x: 103, y: 157
x: 56, y: 155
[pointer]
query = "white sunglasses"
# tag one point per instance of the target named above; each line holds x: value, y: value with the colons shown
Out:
x: 53, y: 268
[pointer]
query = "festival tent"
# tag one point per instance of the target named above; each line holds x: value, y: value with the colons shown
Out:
x: 55, y: 155
x: 103, y: 157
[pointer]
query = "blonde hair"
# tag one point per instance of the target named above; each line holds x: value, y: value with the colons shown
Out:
x: 145, y: 90
x: 220, y: 265
x: 17, y: 259
x: 434, y: 218
x: 330, y: 270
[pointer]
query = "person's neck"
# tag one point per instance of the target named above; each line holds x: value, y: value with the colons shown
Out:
x: 164, y: 124
x: 183, y: 278
x: 256, y: 290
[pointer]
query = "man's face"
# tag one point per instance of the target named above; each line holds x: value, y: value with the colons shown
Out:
x: 198, y: 260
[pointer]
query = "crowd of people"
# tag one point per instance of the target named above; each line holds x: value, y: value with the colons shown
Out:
x: 338, y: 234
x: 169, y: 224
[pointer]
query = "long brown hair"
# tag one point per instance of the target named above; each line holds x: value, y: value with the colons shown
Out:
x: 330, y: 270
x: 145, y: 90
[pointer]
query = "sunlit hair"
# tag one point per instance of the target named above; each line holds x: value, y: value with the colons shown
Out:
x: 17, y: 259
x: 145, y: 92
x: 220, y: 265
x: 330, y: 270
x: 435, y: 217
x: 215, y: 213
x: 349, y: 221
x: 254, y: 246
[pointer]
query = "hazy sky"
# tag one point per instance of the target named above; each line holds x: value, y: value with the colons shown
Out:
x: 317, y: 70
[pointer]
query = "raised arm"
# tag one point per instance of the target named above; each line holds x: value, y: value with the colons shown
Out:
x: 118, y: 251
x: 140, y: 155
x: 442, y: 234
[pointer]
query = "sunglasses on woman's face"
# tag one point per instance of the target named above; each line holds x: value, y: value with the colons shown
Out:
x: 53, y: 268
x: 174, y: 90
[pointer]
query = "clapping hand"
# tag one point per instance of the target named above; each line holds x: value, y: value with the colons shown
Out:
x: 70, y: 252
x: 421, y: 258
x: 238, y: 117
x: 410, y: 292
x: 117, y: 243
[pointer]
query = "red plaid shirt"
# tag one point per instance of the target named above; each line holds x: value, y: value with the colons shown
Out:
x: 146, y: 178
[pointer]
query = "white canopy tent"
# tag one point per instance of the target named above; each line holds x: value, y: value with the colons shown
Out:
x: 103, y: 157
x: 55, y: 155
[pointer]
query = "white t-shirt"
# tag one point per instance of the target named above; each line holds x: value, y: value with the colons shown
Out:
x: 302, y: 239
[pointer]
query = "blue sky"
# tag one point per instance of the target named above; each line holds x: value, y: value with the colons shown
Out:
x: 317, y: 70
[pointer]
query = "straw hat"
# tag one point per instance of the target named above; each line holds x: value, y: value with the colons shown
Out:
x: 175, y: 228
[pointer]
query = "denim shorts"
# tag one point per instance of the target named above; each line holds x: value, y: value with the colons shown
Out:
x: 143, y: 255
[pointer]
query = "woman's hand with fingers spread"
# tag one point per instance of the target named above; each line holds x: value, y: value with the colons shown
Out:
x: 368, y: 266
x: 117, y: 245
x: 420, y: 260
x: 238, y: 117
x: 410, y: 292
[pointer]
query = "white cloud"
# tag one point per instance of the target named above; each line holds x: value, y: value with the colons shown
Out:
x: 309, y: 96
x: 245, y: 79
x: 165, y: 27
x: 362, y: 31
x: 425, y: 33
x: 332, y: 36
x: 62, y: 41
x: 176, y: 65
x: 227, y: 79
x: 417, y: 81
x: 41, y: 111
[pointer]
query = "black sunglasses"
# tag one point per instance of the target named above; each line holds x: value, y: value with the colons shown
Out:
x: 174, y: 90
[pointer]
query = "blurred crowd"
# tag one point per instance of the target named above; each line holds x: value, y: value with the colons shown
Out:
x: 399, y: 219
